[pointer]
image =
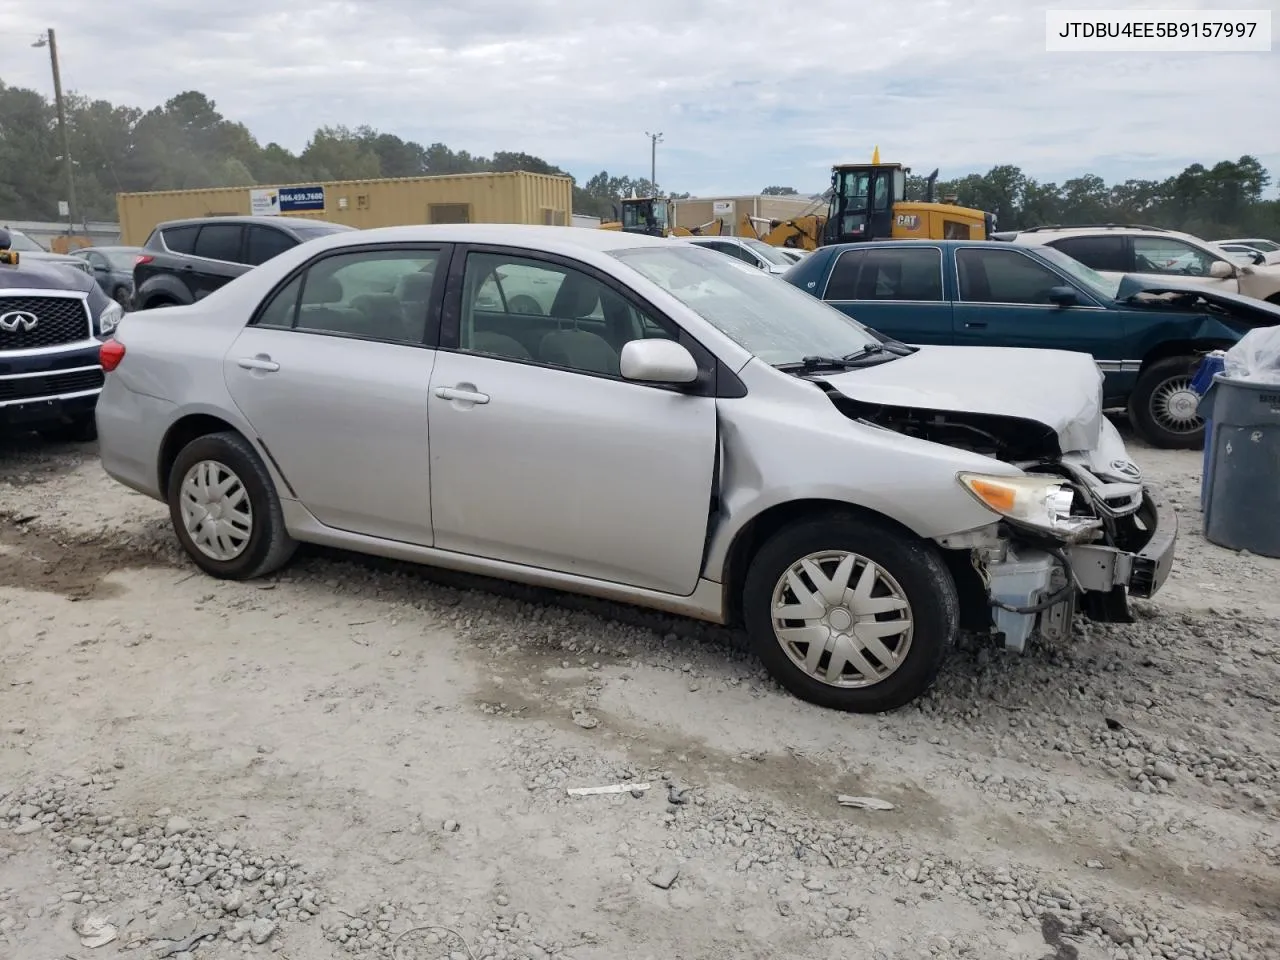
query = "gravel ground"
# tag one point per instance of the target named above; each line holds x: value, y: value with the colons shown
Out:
x: 367, y: 759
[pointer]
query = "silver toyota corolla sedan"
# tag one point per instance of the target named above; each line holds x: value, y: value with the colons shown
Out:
x: 636, y: 419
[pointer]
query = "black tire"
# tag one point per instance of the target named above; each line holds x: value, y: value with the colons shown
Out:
x: 81, y: 429
x: 1147, y: 412
x: 919, y: 572
x: 269, y: 545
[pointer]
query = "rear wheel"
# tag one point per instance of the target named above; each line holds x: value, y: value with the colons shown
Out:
x: 850, y: 614
x: 225, y: 510
x: 1163, y: 406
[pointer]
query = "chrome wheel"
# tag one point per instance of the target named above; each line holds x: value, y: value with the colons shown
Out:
x: 842, y: 619
x: 1173, y: 406
x: 216, y: 511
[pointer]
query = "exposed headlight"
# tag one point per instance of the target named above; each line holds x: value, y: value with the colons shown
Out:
x: 110, y: 318
x: 1039, y: 502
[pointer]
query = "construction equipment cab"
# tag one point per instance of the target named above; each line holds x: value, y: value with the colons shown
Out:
x: 868, y: 202
x: 648, y: 215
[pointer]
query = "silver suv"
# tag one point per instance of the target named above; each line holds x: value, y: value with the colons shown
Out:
x: 1118, y: 249
x: 642, y: 420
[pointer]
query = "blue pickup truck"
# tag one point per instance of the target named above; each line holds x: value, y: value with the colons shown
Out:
x: 52, y: 322
x: 1147, y: 334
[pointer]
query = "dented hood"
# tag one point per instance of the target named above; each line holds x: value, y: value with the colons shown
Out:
x: 1056, y: 388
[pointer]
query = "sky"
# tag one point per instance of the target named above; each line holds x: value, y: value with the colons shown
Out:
x: 746, y: 93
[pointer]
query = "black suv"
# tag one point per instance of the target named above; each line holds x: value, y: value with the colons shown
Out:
x: 184, y: 260
x: 52, y: 323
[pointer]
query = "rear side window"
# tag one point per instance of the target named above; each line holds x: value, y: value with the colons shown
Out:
x: 887, y: 275
x: 180, y: 239
x: 219, y: 241
x: 263, y: 243
x: 1100, y: 253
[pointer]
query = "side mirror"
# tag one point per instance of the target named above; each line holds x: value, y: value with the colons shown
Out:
x: 1221, y: 270
x: 1259, y: 258
x: 1063, y: 296
x: 657, y: 361
x: 99, y: 268
x: 5, y: 239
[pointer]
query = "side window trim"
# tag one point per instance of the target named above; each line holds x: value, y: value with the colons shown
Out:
x: 444, y: 267
x: 721, y: 382
x: 240, y: 246
x: 1048, y: 268
x: 835, y: 265
x: 942, y: 291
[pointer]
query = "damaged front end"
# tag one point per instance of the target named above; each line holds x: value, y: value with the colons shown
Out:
x: 1079, y: 531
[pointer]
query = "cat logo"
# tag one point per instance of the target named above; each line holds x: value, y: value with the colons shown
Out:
x: 908, y: 221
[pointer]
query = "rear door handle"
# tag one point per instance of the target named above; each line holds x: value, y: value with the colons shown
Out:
x: 466, y: 396
x: 258, y: 363
x: 975, y: 323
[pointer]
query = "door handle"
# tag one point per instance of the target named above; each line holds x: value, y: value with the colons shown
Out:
x: 188, y: 266
x: 466, y: 396
x: 258, y: 363
x: 975, y: 323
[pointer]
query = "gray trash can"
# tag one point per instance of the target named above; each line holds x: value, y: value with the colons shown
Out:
x: 1242, y: 503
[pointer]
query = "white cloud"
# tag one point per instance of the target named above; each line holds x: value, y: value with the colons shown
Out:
x: 746, y: 92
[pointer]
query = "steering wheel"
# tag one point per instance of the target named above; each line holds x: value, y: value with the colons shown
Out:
x: 523, y: 303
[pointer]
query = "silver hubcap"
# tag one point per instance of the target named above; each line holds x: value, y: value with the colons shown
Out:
x: 1173, y: 406
x: 842, y: 619
x: 216, y: 511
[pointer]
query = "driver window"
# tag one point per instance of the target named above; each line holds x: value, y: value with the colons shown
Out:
x: 1166, y: 255
x: 545, y: 313
x: 1003, y: 276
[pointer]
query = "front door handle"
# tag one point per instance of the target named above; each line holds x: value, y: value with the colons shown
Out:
x: 258, y: 363
x: 972, y: 324
x: 465, y: 396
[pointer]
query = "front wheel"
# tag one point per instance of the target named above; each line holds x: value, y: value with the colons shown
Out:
x: 1163, y: 406
x: 850, y: 614
x: 225, y: 510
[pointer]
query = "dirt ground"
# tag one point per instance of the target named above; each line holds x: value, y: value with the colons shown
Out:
x: 355, y: 755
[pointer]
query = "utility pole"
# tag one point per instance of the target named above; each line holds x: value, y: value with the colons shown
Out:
x: 51, y: 41
x: 654, y: 140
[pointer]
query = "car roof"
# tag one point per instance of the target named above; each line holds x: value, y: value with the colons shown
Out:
x: 548, y: 238
x: 899, y: 244
x: 1042, y: 235
x: 288, y: 223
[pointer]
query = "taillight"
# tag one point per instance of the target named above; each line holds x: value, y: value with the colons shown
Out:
x: 142, y: 258
x: 110, y: 354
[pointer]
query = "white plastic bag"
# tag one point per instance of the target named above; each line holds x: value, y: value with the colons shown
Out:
x: 1256, y: 357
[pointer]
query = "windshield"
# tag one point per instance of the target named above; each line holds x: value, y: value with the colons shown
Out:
x: 1086, y: 276
x: 20, y: 241
x: 773, y: 320
x: 770, y: 254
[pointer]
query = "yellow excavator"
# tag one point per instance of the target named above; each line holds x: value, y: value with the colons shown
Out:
x: 868, y: 202
x: 655, y: 217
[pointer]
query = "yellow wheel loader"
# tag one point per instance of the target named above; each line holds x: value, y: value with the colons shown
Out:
x: 654, y: 217
x: 868, y: 202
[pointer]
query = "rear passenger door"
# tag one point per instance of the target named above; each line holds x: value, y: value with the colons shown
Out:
x: 898, y: 291
x: 332, y: 373
x: 215, y: 259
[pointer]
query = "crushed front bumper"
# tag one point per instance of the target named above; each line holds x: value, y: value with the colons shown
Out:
x: 1032, y: 588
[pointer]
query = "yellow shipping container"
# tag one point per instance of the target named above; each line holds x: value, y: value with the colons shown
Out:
x: 462, y: 198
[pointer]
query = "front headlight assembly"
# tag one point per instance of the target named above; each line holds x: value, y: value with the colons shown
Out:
x: 1041, y: 503
x: 109, y: 318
